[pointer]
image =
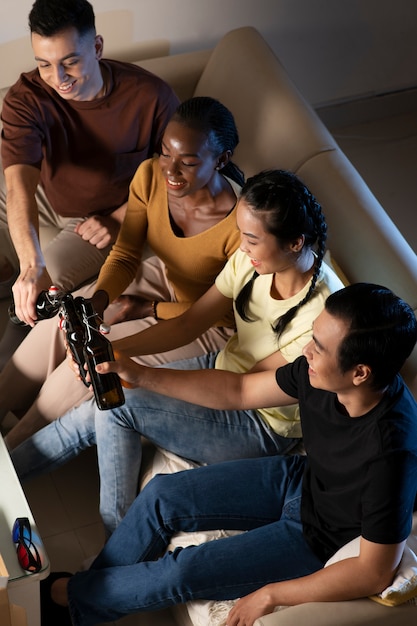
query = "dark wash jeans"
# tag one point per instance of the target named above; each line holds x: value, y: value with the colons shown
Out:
x: 134, y: 572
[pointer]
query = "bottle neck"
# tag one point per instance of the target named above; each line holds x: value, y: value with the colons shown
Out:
x: 91, y: 320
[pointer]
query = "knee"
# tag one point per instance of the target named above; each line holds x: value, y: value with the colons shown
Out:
x: 157, y: 488
x: 161, y: 494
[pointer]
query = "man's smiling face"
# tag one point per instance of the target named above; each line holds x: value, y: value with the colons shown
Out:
x: 68, y: 63
x: 322, y: 354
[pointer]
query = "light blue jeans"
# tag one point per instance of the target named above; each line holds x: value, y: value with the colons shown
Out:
x: 134, y: 573
x: 203, y: 435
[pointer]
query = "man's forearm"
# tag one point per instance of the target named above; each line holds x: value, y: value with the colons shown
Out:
x: 345, y: 580
x: 22, y: 214
x: 216, y: 389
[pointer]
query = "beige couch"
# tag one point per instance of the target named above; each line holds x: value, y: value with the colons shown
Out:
x: 278, y: 128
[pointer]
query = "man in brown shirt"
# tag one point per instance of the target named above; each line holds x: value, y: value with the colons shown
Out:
x: 74, y: 132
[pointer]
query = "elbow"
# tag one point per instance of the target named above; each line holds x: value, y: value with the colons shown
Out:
x: 380, y: 581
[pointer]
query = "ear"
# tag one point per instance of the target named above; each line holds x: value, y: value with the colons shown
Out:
x: 361, y: 374
x: 223, y: 159
x: 298, y: 244
x: 98, y: 45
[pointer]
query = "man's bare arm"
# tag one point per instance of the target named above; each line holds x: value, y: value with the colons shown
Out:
x: 23, y: 220
x: 217, y: 389
x: 368, y: 574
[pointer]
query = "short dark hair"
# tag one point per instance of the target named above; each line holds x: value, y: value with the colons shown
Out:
x: 49, y: 17
x: 382, y: 330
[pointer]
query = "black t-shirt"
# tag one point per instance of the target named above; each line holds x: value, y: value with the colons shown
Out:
x: 361, y: 473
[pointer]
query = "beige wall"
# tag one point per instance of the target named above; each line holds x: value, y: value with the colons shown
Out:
x: 335, y: 50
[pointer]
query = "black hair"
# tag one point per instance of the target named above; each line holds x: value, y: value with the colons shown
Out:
x: 212, y: 118
x: 382, y: 330
x: 49, y: 17
x: 288, y: 211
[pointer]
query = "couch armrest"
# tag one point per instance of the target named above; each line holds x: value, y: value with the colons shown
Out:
x: 361, y: 612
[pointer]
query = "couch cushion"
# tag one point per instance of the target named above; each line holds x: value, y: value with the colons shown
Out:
x: 361, y: 612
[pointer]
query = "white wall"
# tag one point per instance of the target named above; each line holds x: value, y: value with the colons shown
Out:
x: 334, y: 50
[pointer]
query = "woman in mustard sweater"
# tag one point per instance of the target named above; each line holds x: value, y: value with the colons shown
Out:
x: 182, y: 207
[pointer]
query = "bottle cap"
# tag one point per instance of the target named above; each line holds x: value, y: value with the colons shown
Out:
x: 53, y: 289
x: 104, y: 328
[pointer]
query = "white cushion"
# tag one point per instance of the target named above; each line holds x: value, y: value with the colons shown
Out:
x: 404, y: 585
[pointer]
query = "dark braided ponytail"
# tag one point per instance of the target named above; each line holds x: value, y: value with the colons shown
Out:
x: 212, y: 118
x: 288, y: 211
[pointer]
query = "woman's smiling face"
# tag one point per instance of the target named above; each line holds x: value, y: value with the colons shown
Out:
x: 186, y: 160
x: 266, y: 254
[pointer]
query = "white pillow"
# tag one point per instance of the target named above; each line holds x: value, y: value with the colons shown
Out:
x: 404, y: 585
x: 196, y: 612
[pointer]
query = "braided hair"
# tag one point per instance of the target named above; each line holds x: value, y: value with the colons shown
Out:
x: 213, y: 119
x: 289, y: 210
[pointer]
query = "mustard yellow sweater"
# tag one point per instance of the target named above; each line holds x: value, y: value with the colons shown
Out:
x: 192, y: 263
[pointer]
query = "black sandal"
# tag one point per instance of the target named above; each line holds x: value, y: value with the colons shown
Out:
x: 52, y: 613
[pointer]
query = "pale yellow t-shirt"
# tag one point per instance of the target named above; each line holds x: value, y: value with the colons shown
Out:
x: 256, y: 340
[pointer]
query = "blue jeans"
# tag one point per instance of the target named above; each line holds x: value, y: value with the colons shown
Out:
x: 57, y: 443
x: 203, y: 435
x: 134, y: 573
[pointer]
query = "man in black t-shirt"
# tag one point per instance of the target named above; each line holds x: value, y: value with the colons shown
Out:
x: 358, y: 478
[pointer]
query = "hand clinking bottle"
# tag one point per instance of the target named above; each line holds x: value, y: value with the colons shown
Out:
x: 98, y: 349
x: 70, y: 322
x: 47, y: 305
x: 85, y: 338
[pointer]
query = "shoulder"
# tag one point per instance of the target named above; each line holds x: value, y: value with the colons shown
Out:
x: 134, y: 74
x: 236, y: 272
x: 398, y: 413
x: 148, y: 180
x: 293, y: 377
x: 148, y: 173
x: 29, y: 88
x: 239, y: 265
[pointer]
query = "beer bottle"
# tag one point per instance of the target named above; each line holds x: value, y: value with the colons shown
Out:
x: 47, y: 305
x: 107, y: 388
x: 71, y: 323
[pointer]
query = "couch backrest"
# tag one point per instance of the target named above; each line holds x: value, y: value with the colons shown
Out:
x: 277, y: 128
